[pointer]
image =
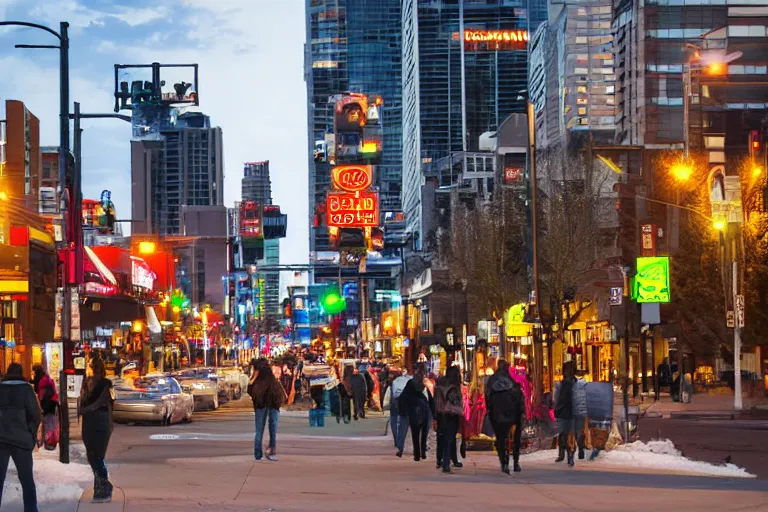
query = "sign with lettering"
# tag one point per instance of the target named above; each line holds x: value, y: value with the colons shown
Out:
x: 652, y: 279
x: 355, y: 210
x: 352, y: 178
x: 495, y: 39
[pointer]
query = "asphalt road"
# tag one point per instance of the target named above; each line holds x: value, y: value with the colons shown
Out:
x: 208, y: 465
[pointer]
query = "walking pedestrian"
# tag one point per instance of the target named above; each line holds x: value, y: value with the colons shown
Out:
x: 19, y: 421
x: 95, y: 407
x: 397, y: 417
x: 345, y: 395
x: 504, y: 399
x: 268, y: 396
x: 414, y: 402
x: 449, y: 408
x: 580, y: 413
x: 564, y: 413
x: 49, y: 402
x: 359, y: 393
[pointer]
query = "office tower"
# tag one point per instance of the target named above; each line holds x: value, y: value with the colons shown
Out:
x: 20, y: 160
x: 180, y: 165
x: 256, y: 183
x: 572, y: 80
x: 352, y: 45
x: 464, y: 71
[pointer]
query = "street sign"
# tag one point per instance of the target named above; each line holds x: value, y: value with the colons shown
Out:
x: 75, y: 316
x: 729, y: 320
x: 616, y: 295
x: 471, y: 341
x: 739, y: 311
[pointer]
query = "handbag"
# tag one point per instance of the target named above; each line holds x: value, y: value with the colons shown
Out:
x: 50, y: 432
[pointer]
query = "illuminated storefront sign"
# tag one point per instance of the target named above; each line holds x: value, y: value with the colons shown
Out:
x: 652, y: 279
x: 513, y: 175
x: 352, y: 178
x: 347, y: 209
x: 250, y: 219
x: 495, y: 39
x: 141, y: 275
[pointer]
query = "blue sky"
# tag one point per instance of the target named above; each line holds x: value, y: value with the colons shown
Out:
x: 251, y: 59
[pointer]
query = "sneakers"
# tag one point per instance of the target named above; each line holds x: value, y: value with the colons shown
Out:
x: 505, y: 469
x: 517, y: 467
x: 458, y: 465
x: 570, y: 459
x: 272, y: 457
x: 102, y: 491
x: 399, y: 454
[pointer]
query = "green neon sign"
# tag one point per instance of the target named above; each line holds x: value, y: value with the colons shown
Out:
x: 651, y: 283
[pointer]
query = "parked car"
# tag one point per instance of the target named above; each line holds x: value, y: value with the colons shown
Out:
x: 203, y: 388
x: 155, y: 398
x: 236, y: 380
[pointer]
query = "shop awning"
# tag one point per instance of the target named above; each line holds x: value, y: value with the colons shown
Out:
x: 519, y: 329
x: 153, y: 325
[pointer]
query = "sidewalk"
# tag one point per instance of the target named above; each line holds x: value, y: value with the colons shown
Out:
x: 705, y: 405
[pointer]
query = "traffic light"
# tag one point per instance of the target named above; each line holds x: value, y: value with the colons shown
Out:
x: 754, y: 144
x: 332, y: 301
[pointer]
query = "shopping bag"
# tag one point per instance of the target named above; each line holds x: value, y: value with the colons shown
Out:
x: 50, y: 432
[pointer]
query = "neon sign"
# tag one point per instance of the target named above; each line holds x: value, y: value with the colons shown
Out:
x: 356, y: 210
x: 652, y: 279
x: 495, y: 39
x: 352, y: 178
x: 141, y: 275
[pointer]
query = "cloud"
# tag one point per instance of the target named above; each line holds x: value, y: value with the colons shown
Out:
x: 80, y: 16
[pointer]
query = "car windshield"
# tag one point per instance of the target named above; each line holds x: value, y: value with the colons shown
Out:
x: 145, y: 385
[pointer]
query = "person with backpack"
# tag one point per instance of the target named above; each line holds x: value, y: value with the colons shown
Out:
x: 19, y: 421
x: 397, y: 418
x: 504, y: 399
x: 96, y: 400
x: 449, y: 408
x: 414, y: 403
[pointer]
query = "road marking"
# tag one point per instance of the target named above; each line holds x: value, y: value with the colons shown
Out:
x: 163, y: 437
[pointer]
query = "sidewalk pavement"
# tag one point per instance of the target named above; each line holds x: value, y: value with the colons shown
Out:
x: 703, y: 405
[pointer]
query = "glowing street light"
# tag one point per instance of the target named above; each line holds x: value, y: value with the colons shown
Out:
x: 719, y: 225
x: 682, y: 171
x: 757, y: 171
x: 146, y: 247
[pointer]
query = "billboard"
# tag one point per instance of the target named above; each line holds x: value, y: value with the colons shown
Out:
x: 352, y: 178
x: 357, y: 128
x: 353, y: 210
x: 652, y: 279
x: 494, y: 40
x: 251, y: 220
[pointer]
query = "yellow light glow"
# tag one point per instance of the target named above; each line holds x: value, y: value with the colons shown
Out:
x: 369, y: 147
x: 682, y: 171
x: 719, y: 225
x: 3, y: 196
x: 388, y: 323
x: 146, y: 247
x: 716, y: 68
x: 137, y: 326
x: 176, y: 309
x: 757, y: 171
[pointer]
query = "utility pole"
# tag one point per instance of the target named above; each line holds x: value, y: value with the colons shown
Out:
x: 738, y: 310
x: 534, y: 191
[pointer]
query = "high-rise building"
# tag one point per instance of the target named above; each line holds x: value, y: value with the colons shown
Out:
x: 352, y: 45
x: 572, y: 80
x: 181, y: 165
x: 464, y: 70
x: 257, y: 184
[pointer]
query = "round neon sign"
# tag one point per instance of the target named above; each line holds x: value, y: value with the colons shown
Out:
x: 352, y: 178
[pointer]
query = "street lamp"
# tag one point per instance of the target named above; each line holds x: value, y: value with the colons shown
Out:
x: 682, y: 171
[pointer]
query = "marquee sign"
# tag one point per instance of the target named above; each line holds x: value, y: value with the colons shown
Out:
x: 353, y: 210
x: 352, y: 178
x: 495, y: 39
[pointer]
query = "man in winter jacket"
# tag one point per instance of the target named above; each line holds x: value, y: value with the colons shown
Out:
x: 564, y: 413
x: 398, y: 418
x: 504, y: 399
x: 19, y: 421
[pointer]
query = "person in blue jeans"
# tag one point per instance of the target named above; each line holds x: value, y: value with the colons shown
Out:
x: 19, y: 421
x: 564, y: 413
x: 268, y: 396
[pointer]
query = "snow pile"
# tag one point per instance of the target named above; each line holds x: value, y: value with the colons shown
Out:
x: 55, y: 482
x: 658, y: 455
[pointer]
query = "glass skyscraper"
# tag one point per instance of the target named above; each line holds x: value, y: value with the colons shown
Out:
x: 459, y: 81
x: 352, y: 45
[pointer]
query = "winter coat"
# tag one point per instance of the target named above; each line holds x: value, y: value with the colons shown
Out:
x: 359, y: 388
x: 268, y: 394
x: 345, y: 400
x: 47, y: 395
x: 19, y: 414
x: 369, y: 384
x: 96, y: 409
x: 564, y: 400
x: 504, y: 400
x: 448, y: 398
x: 398, y: 385
x: 580, y: 398
x: 414, y: 403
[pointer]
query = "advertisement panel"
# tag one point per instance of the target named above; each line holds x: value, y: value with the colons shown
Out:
x: 652, y: 280
x: 251, y: 220
x: 492, y: 40
x: 354, y: 210
x: 352, y: 178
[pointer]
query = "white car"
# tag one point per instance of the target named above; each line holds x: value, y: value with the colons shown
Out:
x: 235, y: 378
x: 204, y: 389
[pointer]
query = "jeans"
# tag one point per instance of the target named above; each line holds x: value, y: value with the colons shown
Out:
x: 262, y: 416
x: 501, y: 431
x: 23, y: 461
x: 419, y: 433
x: 579, y: 422
x: 564, y: 427
x: 402, y: 432
x: 394, y: 417
x: 447, y: 428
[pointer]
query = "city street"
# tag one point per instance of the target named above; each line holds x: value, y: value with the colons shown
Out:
x: 208, y: 465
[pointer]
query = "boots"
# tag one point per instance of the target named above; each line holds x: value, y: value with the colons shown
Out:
x: 560, y: 453
x: 581, y: 453
x: 570, y: 458
x: 505, y: 462
x: 98, y: 492
x: 516, y: 460
x: 102, y: 491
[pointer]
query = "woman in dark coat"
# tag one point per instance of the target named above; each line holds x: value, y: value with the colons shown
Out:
x: 359, y: 393
x: 414, y: 402
x: 268, y: 396
x: 504, y: 399
x: 96, y: 400
x: 345, y: 395
x: 449, y: 409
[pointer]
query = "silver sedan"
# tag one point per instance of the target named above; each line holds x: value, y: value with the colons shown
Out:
x: 152, y: 399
